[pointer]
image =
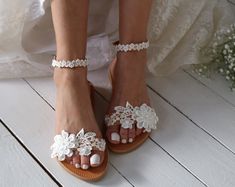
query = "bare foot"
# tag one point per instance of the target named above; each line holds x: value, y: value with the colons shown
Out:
x: 128, y: 77
x: 74, y: 111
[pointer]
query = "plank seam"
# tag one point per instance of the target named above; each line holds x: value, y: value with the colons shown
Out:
x: 106, y: 100
x: 181, y: 112
x: 213, y: 91
x: 177, y: 161
x: 29, y: 152
x: 163, y: 150
x: 121, y: 174
x: 38, y: 94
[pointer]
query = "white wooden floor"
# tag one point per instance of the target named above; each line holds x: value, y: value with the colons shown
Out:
x: 194, y: 145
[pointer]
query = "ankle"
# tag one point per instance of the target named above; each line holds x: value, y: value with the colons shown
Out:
x: 63, y: 76
x: 132, y: 59
x: 133, y: 54
x: 131, y: 64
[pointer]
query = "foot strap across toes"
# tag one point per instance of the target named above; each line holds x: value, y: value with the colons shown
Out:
x: 66, y: 144
x: 143, y: 116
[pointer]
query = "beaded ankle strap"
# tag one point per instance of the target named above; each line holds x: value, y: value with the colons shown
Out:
x: 69, y: 64
x: 132, y: 46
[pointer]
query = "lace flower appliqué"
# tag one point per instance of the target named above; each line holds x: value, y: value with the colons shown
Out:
x: 63, y: 146
x: 86, y: 141
x: 66, y: 144
x: 144, y: 117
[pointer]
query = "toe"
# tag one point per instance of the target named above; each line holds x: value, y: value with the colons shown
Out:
x: 69, y: 160
x: 131, y: 135
x: 85, y: 162
x: 124, y: 135
x: 138, y: 131
x: 96, y: 158
x: 113, y: 134
x: 77, y: 160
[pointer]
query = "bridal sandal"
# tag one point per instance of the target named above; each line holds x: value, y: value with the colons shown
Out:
x: 68, y: 144
x: 143, y: 117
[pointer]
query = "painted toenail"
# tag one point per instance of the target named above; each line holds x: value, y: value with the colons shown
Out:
x: 123, y: 140
x: 130, y: 140
x: 77, y: 165
x: 95, y: 159
x: 115, y: 136
x: 85, y: 166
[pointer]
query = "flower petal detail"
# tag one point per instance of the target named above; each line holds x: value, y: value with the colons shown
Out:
x: 144, y: 116
x: 65, y: 144
x: 87, y: 141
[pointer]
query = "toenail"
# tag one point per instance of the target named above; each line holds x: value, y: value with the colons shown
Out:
x: 130, y: 140
x: 95, y: 159
x: 71, y: 162
x: 115, y: 136
x: 123, y: 140
x: 77, y: 165
x: 85, y: 166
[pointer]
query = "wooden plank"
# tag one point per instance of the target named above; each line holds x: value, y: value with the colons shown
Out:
x: 148, y: 166
x: 193, y: 148
x: 217, y: 84
x: 17, y: 166
x: 31, y: 119
x: 197, y: 151
x: 206, y: 109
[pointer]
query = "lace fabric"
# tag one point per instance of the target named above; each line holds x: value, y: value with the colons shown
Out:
x: 183, y: 29
x: 178, y: 29
x: 65, y: 144
x: 143, y: 116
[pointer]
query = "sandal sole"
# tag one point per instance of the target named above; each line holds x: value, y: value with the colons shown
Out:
x: 91, y: 174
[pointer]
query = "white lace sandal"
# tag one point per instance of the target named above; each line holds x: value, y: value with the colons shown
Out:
x: 67, y: 144
x: 143, y: 117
